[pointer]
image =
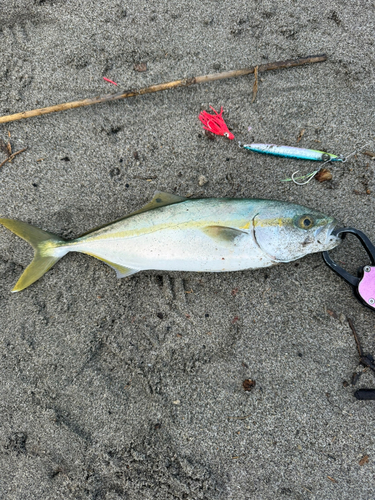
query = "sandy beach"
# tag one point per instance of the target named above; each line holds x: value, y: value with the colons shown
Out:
x: 133, y: 389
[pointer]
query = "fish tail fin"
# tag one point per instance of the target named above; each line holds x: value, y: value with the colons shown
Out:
x: 47, y: 250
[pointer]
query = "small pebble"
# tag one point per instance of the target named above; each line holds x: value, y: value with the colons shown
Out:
x: 355, y: 377
x: 248, y: 384
x: 140, y: 66
x: 177, y: 402
x: 202, y: 180
x: 323, y: 175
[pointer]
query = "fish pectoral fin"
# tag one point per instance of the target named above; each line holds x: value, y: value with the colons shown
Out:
x: 223, y: 234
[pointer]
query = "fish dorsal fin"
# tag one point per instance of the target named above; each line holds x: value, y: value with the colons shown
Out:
x: 160, y: 199
x: 223, y: 234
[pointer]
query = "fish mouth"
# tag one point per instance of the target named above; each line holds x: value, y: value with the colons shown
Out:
x: 326, y: 236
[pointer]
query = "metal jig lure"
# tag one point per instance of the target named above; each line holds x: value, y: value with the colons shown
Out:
x: 292, y: 152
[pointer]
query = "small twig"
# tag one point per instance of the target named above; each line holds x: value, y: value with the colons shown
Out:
x: 4, y: 147
x: 185, y: 82
x: 369, y: 153
x: 360, y: 352
x: 10, y: 158
x: 150, y: 178
x: 9, y: 147
x: 255, y: 86
x: 240, y: 418
x: 364, y: 359
x: 332, y: 479
x: 301, y: 135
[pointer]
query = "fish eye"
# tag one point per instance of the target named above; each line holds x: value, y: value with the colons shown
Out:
x: 306, y: 222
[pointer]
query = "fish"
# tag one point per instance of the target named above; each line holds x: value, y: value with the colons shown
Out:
x: 292, y: 152
x: 173, y: 233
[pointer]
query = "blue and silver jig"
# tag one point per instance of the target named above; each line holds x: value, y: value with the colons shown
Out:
x: 292, y: 152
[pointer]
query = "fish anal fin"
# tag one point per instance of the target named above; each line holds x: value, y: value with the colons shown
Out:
x: 121, y: 271
x: 223, y: 234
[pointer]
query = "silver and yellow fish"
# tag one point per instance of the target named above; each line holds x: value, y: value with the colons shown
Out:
x: 172, y: 233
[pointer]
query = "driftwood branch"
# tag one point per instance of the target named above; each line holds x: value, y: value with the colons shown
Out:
x: 186, y: 82
x: 10, y: 158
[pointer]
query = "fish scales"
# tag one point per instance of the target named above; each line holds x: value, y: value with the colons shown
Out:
x: 172, y: 233
x: 173, y: 238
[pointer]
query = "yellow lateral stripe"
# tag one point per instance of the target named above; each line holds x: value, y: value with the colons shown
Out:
x: 235, y: 224
x: 160, y: 227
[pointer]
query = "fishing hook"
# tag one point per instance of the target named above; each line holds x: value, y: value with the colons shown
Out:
x: 310, y: 176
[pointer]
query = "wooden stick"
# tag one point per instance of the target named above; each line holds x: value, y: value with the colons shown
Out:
x: 255, y: 85
x: 186, y: 82
x: 10, y: 158
x: 365, y: 359
x: 360, y: 352
x: 369, y: 153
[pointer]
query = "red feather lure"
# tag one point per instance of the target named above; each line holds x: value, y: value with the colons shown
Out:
x: 215, y: 123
